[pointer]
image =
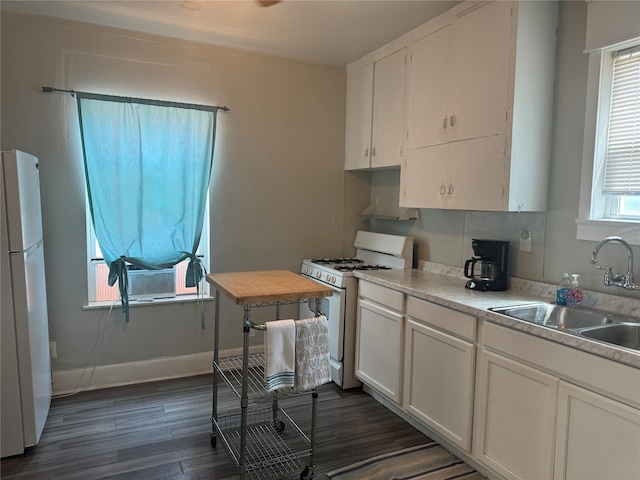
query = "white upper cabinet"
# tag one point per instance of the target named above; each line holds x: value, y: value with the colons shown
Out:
x: 459, y: 77
x: 359, y: 115
x: 375, y: 125
x: 451, y: 175
x: 480, y: 109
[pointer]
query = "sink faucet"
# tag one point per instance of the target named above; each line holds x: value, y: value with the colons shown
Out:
x: 619, y: 280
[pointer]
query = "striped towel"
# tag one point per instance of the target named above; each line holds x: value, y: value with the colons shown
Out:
x: 312, y: 353
x: 279, y: 351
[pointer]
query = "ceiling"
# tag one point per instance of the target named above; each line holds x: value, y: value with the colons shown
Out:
x: 329, y: 32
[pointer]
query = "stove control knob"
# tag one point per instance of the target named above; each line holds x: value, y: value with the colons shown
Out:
x: 333, y: 280
x: 319, y: 275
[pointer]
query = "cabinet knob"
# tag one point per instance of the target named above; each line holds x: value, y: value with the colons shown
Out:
x: 452, y: 120
x: 373, y: 151
x: 443, y: 189
x: 444, y: 123
x: 450, y: 189
x: 366, y: 152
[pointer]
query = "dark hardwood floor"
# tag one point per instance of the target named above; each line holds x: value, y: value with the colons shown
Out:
x: 161, y: 431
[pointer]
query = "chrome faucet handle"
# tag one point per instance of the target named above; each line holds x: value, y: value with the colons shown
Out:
x: 607, y: 270
x: 608, y: 274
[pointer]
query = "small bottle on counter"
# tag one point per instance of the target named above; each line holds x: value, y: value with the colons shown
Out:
x: 575, y: 294
x: 563, y: 288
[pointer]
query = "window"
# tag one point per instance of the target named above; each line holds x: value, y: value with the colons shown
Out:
x: 622, y: 158
x: 147, y: 165
x: 610, y: 193
x: 98, y: 272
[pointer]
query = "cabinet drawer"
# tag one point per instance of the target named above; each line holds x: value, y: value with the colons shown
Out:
x: 444, y: 318
x: 389, y: 298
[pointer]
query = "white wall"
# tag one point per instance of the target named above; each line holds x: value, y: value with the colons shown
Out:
x: 283, y: 137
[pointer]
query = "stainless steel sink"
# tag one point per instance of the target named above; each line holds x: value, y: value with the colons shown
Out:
x: 586, y: 322
x: 555, y: 316
x: 622, y: 334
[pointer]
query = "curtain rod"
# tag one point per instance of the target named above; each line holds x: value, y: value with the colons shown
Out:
x: 160, y: 103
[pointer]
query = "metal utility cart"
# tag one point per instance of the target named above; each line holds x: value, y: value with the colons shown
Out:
x: 263, y: 441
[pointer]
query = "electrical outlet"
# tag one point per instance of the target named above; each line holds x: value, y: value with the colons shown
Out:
x: 525, y: 240
x: 53, y: 349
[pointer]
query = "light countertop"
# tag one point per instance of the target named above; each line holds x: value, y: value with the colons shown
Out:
x: 449, y: 291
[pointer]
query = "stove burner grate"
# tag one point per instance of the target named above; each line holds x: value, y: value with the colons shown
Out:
x: 351, y: 268
x: 339, y: 261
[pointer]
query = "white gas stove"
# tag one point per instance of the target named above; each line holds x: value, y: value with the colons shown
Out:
x: 374, y: 251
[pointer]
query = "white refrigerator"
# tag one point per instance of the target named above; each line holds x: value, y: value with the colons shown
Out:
x: 26, y: 366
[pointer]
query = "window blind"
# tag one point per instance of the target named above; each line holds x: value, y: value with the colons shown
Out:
x: 622, y: 161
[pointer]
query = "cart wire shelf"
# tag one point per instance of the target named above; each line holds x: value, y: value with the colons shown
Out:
x: 230, y: 369
x: 275, y: 448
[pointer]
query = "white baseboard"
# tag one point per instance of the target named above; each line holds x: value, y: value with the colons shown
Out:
x: 66, y: 382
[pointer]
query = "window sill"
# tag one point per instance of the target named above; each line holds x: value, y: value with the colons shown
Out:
x: 596, y: 230
x: 156, y: 301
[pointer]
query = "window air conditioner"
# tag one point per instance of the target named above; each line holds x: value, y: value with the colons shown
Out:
x: 145, y: 285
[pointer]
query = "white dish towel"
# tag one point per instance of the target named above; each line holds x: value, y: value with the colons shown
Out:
x: 280, y: 354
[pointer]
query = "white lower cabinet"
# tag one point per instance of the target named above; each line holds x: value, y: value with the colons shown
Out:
x: 516, y: 412
x: 546, y: 411
x: 379, y: 339
x: 524, y: 407
x: 439, y: 370
x: 596, y: 437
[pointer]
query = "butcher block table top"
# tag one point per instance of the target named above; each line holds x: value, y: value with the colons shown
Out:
x: 267, y: 286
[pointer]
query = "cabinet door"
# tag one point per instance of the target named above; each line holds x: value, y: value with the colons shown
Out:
x: 358, y: 119
x: 597, y: 438
x: 476, y: 173
x: 388, y: 110
x: 428, y: 104
x: 466, y: 175
x: 439, y: 381
x: 479, y: 72
x: 423, y: 178
x: 379, y: 349
x: 516, y: 414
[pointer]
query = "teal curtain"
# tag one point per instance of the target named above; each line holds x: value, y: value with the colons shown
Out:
x: 147, y: 169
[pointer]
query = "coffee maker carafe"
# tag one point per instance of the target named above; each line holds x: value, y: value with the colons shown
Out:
x: 487, y: 270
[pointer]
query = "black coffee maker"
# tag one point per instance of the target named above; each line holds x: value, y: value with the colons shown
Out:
x: 488, y: 268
